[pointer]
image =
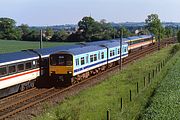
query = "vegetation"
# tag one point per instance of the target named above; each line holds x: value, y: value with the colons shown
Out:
x: 93, y: 30
x: 8, y: 29
x: 154, y: 26
x: 178, y: 36
x: 92, y: 104
x: 174, y: 49
x: 88, y: 30
x: 165, y: 104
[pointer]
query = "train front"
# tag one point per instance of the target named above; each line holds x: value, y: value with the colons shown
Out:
x: 61, y: 67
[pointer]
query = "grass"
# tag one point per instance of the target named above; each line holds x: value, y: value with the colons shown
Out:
x: 13, y: 45
x: 165, y: 104
x: 92, y: 104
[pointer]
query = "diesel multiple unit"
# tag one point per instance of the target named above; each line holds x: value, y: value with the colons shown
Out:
x: 70, y: 64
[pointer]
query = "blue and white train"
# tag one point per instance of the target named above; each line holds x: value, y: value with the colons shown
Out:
x: 76, y: 64
x: 20, y: 70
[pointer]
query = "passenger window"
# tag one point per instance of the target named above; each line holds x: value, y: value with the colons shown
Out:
x: 77, y: 61
x: 118, y: 50
x: 34, y: 64
x: 20, y: 67
x: 111, y: 53
x: 95, y: 57
x: 125, y: 49
x: 82, y: 61
x: 12, y: 69
x: 3, y: 71
x: 91, y: 58
x: 37, y: 63
x: 102, y: 55
x: 28, y: 65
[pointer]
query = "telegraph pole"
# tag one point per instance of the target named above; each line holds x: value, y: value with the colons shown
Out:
x: 41, y: 34
x: 120, y: 49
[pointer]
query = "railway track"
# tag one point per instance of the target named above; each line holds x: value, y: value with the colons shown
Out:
x: 21, y: 101
x: 16, y: 96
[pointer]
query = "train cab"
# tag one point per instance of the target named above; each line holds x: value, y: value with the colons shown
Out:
x: 61, y: 66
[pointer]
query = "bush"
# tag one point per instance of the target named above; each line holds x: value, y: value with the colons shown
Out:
x: 174, y: 49
x: 178, y: 36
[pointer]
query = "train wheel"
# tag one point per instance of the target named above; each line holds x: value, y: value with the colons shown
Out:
x: 31, y: 85
x: 73, y: 81
x: 22, y: 88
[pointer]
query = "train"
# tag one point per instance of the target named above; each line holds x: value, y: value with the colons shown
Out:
x: 75, y: 64
x: 70, y: 64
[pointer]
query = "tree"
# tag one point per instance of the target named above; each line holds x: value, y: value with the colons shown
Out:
x: 168, y: 32
x: 153, y: 24
x: 89, y: 27
x: 90, y: 30
x: 178, y: 36
x: 25, y: 30
x: 33, y: 35
x: 61, y: 35
x: 8, y: 29
x: 126, y: 32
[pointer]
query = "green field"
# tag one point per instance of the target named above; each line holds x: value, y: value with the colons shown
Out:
x: 92, y: 104
x: 13, y: 46
x: 165, y: 104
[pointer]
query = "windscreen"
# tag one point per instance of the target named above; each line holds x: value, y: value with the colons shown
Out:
x: 61, y: 60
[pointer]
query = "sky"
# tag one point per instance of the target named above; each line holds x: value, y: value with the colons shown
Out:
x: 56, y: 12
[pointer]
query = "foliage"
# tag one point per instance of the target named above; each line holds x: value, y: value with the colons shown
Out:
x: 24, y: 28
x: 60, y: 36
x: 178, y: 36
x: 90, y: 30
x: 153, y: 24
x: 8, y: 29
x: 168, y: 32
x: 126, y: 32
x: 91, y: 104
x: 175, y: 49
x: 165, y: 104
x: 32, y: 36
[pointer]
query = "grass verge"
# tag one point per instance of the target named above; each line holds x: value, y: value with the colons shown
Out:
x: 13, y: 45
x: 92, y: 104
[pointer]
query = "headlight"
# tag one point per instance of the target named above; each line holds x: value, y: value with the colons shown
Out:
x: 52, y: 72
x: 69, y: 72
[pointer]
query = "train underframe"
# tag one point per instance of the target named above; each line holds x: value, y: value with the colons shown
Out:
x: 85, y: 75
x: 16, y: 88
x: 68, y: 79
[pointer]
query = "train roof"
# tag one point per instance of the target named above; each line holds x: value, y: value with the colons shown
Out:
x: 103, y: 42
x: 8, y: 58
x: 90, y: 48
x: 114, y: 44
x: 84, y: 49
x: 45, y: 52
x: 140, y: 37
x: 124, y: 40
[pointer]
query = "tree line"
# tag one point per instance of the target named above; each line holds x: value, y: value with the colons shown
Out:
x: 88, y: 30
